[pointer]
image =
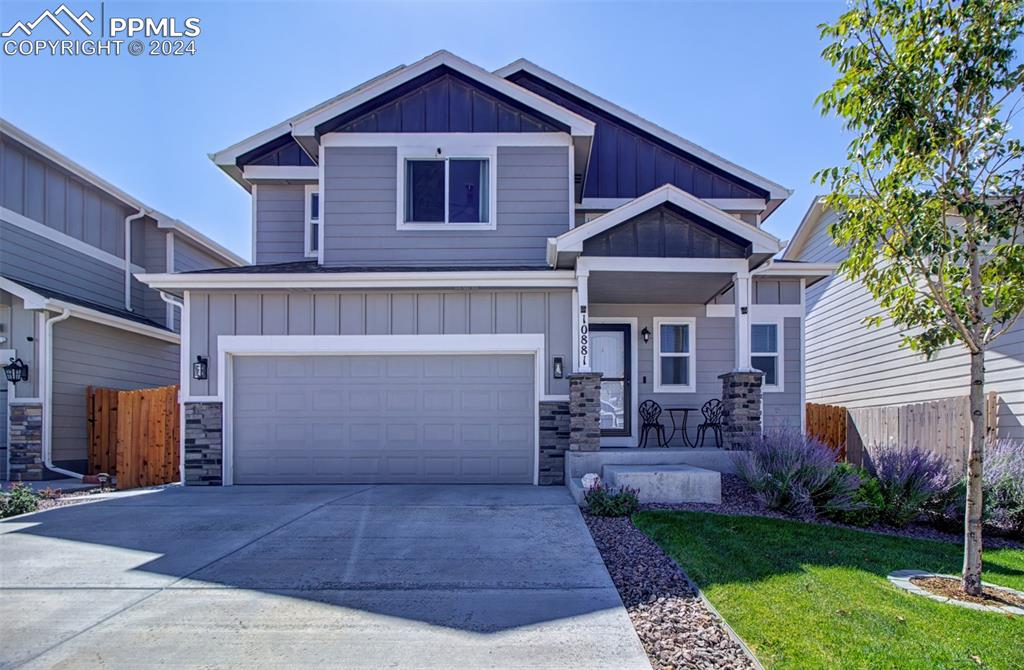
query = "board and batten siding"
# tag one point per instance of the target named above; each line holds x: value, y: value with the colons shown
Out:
x: 89, y: 354
x: 360, y: 209
x: 715, y: 355
x: 854, y: 365
x: 478, y: 311
x: 280, y: 223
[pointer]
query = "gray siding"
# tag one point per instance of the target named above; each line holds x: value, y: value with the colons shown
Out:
x: 715, y: 355
x: 372, y: 313
x: 360, y: 211
x: 280, y: 223
x: 188, y: 257
x: 30, y: 258
x: 851, y: 364
x: 768, y: 292
x: 149, y: 249
x: 46, y: 193
x: 86, y: 353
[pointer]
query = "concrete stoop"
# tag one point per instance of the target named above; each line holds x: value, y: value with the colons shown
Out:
x: 660, y: 483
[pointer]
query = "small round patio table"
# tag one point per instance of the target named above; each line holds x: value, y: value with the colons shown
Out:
x: 672, y: 415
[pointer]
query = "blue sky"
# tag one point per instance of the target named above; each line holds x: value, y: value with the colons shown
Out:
x: 737, y: 78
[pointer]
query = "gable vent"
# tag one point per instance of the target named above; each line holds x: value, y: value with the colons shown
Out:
x: 579, y: 178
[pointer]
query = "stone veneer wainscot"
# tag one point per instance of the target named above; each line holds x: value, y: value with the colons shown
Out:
x: 26, y: 442
x: 204, y: 443
x: 741, y: 402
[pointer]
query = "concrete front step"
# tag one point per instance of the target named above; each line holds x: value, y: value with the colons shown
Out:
x: 667, y: 483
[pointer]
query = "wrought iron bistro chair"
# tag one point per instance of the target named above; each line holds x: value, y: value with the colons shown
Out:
x: 712, y: 411
x: 650, y: 417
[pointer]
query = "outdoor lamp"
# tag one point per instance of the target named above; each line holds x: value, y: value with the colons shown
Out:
x: 16, y: 371
x: 558, y: 368
x: 199, y: 368
x: 646, y: 334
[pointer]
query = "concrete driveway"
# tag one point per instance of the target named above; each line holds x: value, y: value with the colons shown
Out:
x: 341, y: 576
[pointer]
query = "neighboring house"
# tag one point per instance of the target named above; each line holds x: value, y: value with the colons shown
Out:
x: 69, y: 306
x: 438, y: 250
x: 854, y: 365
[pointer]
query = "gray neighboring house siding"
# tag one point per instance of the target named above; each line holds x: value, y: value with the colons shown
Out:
x: 89, y: 354
x: 360, y: 211
x: 280, y: 223
x: 853, y: 365
x: 188, y: 257
x: 369, y: 313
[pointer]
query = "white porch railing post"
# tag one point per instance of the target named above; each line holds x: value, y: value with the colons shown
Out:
x: 741, y: 293
x: 582, y: 336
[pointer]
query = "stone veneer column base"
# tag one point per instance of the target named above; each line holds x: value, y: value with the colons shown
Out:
x: 554, y: 440
x: 585, y: 411
x: 741, y: 400
x: 26, y: 442
x: 204, y: 443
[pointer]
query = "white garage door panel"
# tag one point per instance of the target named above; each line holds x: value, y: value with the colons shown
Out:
x: 384, y: 419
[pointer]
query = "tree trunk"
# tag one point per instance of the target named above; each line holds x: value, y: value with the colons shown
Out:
x: 973, y: 508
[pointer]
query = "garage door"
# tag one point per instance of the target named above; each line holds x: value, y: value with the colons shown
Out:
x: 383, y: 419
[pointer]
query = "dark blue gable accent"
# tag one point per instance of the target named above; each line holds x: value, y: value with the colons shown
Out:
x: 441, y: 101
x: 281, y: 151
x: 627, y: 162
x: 666, y: 232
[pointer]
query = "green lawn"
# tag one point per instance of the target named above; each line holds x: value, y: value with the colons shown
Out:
x: 810, y: 596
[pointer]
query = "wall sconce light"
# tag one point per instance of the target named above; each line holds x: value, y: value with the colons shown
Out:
x: 16, y: 371
x: 199, y: 368
x: 558, y: 368
x: 646, y: 334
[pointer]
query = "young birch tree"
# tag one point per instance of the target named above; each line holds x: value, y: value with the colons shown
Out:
x: 930, y: 197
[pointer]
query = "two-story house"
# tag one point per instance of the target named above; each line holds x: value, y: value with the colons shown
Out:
x: 71, y: 311
x: 456, y: 270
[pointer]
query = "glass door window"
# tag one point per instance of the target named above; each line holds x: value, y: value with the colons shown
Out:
x: 610, y: 355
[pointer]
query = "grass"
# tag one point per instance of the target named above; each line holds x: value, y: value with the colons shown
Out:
x: 809, y: 596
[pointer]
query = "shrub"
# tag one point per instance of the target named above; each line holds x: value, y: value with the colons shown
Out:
x: 796, y: 473
x: 1003, y: 488
x: 603, y: 500
x: 867, y: 499
x: 19, y: 499
x: 910, y: 480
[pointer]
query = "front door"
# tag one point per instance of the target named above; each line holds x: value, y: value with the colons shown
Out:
x: 609, y: 344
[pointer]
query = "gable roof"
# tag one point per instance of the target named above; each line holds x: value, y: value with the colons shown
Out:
x: 162, y: 220
x: 776, y: 193
x: 304, y: 126
x: 807, y: 225
x: 572, y: 241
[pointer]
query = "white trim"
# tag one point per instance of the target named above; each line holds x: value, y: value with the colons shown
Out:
x: 804, y: 229
x: 774, y: 268
x: 775, y: 190
x: 634, y: 389
x: 450, y: 142
x: 746, y: 205
x: 780, y: 353
x: 728, y: 310
x: 306, y: 123
x: 581, y: 333
x: 307, y: 217
x: 691, y: 385
x: 572, y: 188
x: 64, y: 239
x: 641, y: 264
x: 452, y: 279
x: 229, y: 346
x: 252, y: 228
x: 762, y: 242
x: 803, y: 357
x: 445, y: 151
x: 169, y: 266
x: 741, y: 291
x: 280, y: 172
x: 322, y: 183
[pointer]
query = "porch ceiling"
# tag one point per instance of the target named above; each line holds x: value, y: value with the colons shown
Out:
x: 656, y: 287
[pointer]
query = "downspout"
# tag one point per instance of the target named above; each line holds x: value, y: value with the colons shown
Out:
x: 47, y: 380
x: 175, y: 302
x: 128, y: 220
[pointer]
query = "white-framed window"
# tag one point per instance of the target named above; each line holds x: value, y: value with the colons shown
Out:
x: 766, y: 352
x: 438, y: 191
x: 312, y: 209
x: 675, y: 354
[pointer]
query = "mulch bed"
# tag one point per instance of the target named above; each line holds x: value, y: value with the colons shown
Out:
x: 739, y: 499
x: 950, y: 588
x: 674, y: 625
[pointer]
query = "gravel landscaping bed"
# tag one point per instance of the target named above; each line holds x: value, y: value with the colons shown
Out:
x: 675, y: 626
x: 738, y: 498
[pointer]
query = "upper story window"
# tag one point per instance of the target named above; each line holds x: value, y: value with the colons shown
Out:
x: 674, y: 345
x: 312, y: 208
x: 447, y: 191
x: 766, y: 353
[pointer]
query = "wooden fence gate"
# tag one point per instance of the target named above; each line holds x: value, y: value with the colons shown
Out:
x: 133, y: 435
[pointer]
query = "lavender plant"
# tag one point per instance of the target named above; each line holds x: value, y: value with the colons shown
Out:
x: 910, y: 480
x: 796, y: 474
x: 1003, y: 485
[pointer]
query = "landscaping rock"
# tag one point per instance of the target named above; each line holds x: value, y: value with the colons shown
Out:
x: 676, y: 628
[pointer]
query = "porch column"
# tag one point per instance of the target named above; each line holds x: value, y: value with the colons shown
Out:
x: 582, y: 336
x: 741, y: 294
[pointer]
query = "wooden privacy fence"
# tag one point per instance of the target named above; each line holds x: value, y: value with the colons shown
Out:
x: 133, y: 435
x: 942, y: 426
